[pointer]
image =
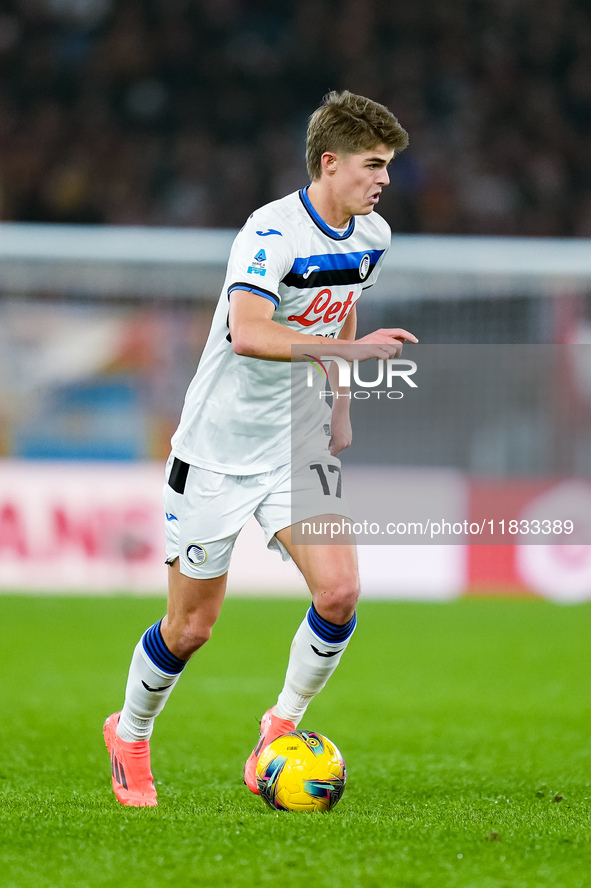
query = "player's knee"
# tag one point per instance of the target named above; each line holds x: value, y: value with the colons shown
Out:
x: 189, y: 638
x: 198, y: 636
x: 337, y: 602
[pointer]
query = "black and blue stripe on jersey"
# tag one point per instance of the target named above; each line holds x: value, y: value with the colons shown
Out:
x: 332, y: 269
x: 321, y: 270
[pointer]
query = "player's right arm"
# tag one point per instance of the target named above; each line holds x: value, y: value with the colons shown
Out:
x: 255, y: 334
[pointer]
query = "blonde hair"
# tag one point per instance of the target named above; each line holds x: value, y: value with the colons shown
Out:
x: 349, y: 124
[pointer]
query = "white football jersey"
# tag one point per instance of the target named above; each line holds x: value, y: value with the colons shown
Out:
x: 237, y: 413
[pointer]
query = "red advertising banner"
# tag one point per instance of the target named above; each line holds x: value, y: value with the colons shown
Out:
x: 525, y: 565
x: 96, y: 528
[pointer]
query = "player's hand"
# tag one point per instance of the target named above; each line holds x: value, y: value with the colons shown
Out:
x: 384, y: 343
x: 342, y: 433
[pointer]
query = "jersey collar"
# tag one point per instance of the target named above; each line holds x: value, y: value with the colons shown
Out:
x: 326, y: 229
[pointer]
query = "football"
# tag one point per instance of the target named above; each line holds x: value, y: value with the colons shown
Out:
x: 301, y: 771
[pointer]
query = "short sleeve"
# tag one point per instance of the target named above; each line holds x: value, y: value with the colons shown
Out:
x: 260, y: 258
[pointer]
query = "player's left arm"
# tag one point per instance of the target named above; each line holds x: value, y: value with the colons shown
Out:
x: 341, y: 430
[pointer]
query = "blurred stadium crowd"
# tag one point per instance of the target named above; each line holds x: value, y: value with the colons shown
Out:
x: 193, y: 112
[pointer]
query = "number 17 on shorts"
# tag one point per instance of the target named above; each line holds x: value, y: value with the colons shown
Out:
x: 317, y: 493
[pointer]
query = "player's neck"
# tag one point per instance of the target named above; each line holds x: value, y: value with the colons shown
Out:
x: 328, y: 206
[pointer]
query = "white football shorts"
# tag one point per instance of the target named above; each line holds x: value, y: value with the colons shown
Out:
x: 205, y: 511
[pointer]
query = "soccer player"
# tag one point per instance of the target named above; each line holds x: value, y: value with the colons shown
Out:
x: 296, y: 271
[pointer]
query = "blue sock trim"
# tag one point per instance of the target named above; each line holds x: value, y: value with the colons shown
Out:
x: 330, y: 632
x: 158, y: 653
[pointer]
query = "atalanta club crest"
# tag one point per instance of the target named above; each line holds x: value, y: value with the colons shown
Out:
x: 196, y: 554
x: 364, y: 267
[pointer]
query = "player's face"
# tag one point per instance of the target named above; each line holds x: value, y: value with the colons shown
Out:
x: 359, y: 178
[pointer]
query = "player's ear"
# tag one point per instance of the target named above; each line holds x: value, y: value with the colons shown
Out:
x: 329, y: 162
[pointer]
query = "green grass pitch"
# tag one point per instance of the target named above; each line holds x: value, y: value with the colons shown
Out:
x: 466, y: 728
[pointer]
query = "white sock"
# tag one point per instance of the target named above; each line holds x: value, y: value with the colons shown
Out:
x: 315, y: 653
x: 148, y: 686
